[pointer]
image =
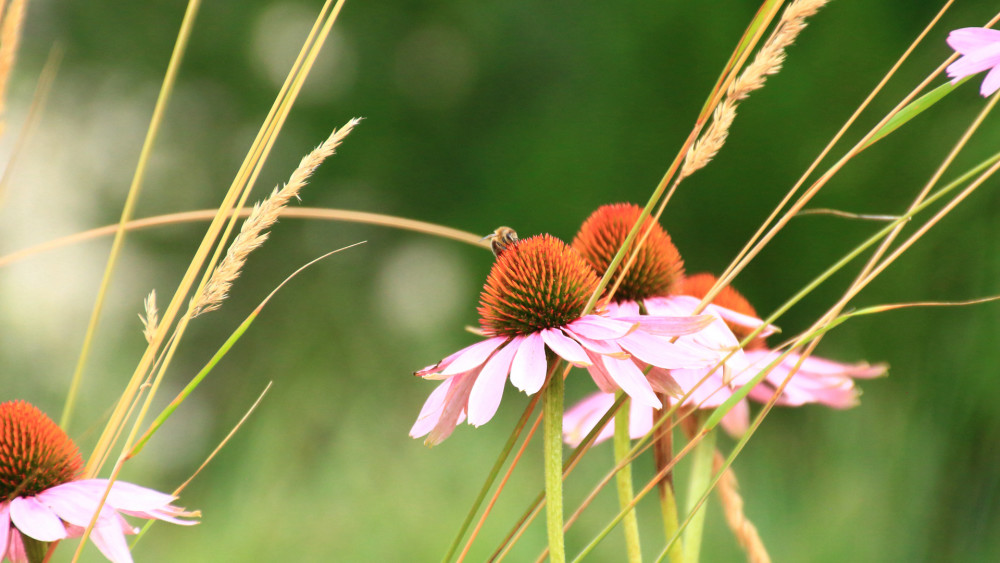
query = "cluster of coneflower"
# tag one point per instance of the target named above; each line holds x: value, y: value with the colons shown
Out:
x: 649, y: 338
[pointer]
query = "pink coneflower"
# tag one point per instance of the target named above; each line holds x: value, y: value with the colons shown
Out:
x: 817, y: 380
x: 44, y: 501
x: 980, y: 50
x: 532, y: 302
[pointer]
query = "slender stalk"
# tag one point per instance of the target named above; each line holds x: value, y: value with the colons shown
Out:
x: 553, y: 412
x: 662, y: 453
x: 624, y: 481
x: 180, y: 46
x: 700, y: 481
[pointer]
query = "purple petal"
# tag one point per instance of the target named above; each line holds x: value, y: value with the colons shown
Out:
x: 36, y: 520
x: 488, y: 389
x: 631, y: 381
x: 473, y: 356
x: 527, y: 372
x: 971, y: 38
x: 565, y: 347
x: 601, y: 328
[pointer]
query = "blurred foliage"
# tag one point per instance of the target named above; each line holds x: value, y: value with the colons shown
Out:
x: 482, y: 114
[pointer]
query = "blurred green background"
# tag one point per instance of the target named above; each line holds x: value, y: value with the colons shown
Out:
x: 478, y: 114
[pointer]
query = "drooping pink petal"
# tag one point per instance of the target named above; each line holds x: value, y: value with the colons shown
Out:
x: 76, y: 501
x: 975, y: 61
x: 430, y: 413
x: 660, y: 352
x: 737, y: 421
x: 565, y: 347
x: 488, y: 388
x: 596, y: 327
x: 473, y: 356
x: 991, y: 83
x: 631, y: 381
x: 671, y: 326
x: 36, y: 520
x: 582, y: 417
x: 968, y: 39
x: 662, y: 382
x: 527, y: 372
x: 4, y: 528
x: 604, y: 347
x: 436, y: 368
x: 600, y: 375
x: 111, y: 541
x: 453, y: 408
x: 15, y: 547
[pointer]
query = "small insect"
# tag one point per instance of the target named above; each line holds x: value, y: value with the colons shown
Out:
x: 501, y: 239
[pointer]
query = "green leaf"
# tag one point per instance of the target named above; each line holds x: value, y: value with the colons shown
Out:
x: 915, y: 108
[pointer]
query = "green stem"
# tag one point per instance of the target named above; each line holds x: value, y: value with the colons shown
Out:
x: 701, y: 480
x: 663, y: 453
x: 553, y: 409
x: 624, y: 480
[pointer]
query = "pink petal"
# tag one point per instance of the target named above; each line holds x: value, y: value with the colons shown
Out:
x: 671, y: 326
x: 631, y: 381
x: 600, y: 328
x: 453, y: 410
x: 111, y: 541
x: 488, y: 389
x: 660, y: 352
x: 565, y: 347
x: 581, y: 418
x: 739, y: 319
x: 605, y: 347
x: 75, y: 502
x: 436, y: 368
x: 36, y: 520
x: 969, y: 39
x: 975, y: 61
x: 473, y: 356
x: 430, y: 414
x: 737, y: 421
x: 991, y: 83
x: 4, y: 528
x: 600, y: 375
x: 622, y: 309
x: 15, y: 547
x: 662, y: 382
x: 527, y: 372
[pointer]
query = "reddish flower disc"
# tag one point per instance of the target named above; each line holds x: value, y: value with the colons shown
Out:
x: 35, y: 454
x: 658, y: 266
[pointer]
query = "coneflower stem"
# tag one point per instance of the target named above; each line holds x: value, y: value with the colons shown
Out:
x: 700, y: 481
x: 623, y: 478
x: 663, y: 454
x: 553, y: 409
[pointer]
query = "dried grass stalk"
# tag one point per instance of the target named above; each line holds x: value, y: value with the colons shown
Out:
x: 10, y: 39
x: 732, y: 507
x: 766, y: 62
x: 252, y: 234
x: 152, y: 318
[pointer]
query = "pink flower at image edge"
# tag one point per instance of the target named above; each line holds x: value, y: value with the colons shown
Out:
x: 980, y: 50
